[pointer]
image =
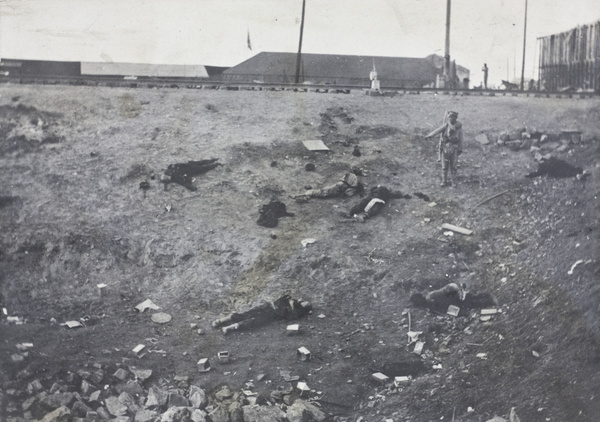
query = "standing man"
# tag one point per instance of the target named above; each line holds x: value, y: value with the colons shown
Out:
x: 485, y: 75
x: 450, y: 146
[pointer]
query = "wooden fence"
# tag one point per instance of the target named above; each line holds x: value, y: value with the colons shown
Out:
x: 569, y: 61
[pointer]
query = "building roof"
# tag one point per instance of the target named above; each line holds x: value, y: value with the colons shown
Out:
x: 316, y: 66
x: 142, y: 69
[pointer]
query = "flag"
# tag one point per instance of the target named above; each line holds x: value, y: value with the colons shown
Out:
x: 249, y: 43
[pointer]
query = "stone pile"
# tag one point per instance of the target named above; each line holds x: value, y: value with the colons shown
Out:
x: 523, y: 139
x: 99, y: 394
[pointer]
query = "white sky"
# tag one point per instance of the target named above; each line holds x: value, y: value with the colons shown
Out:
x: 214, y: 32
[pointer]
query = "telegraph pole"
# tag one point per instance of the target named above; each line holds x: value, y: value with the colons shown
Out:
x: 299, y: 57
x: 524, y: 40
x: 447, y: 50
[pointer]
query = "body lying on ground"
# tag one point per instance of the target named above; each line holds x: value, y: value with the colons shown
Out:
x: 284, y: 308
x: 183, y: 173
x: 373, y: 203
x: 453, y: 294
x: 347, y: 186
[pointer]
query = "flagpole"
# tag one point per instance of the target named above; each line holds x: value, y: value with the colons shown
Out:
x: 299, y: 57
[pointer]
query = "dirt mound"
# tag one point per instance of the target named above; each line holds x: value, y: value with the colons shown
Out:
x: 89, y: 232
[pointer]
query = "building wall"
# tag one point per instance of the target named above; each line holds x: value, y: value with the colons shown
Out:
x: 41, y: 68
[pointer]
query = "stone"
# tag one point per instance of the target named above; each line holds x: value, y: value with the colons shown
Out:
x: 482, y: 139
x: 130, y: 387
x: 115, y: 407
x: 129, y: 401
x: 35, y: 386
x: 81, y: 409
x: 198, y: 416
x: 301, y: 411
x: 27, y: 404
x: 197, y: 397
x: 17, y: 358
x: 182, y: 381
x: 121, y: 374
x: 61, y: 414
x: 141, y: 374
x: 177, y: 400
x: 220, y: 414
x: 157, y: 397
x: 146, y: 416
x: 236, y: 413
x: 86, y: 387
x: 98, y: 376
x: 86, y: 375
x: 56, y: 400
x: 73, y: 378
x: 92, y: 417
x: 95, y: 396
x: 223, y: 393
x: 176, y: 414
x: 263, y: 414
x: 103, y: 413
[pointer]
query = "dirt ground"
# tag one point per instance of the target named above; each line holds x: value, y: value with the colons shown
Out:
x: 73, y: 216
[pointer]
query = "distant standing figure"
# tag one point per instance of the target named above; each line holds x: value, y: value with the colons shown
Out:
x: 375, y: 85
x: 485, y: 75
x: 450, y: 146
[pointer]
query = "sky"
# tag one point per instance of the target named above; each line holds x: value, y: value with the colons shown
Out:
x: 215, y: 32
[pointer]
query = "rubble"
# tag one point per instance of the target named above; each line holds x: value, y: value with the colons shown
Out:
x: 457, y: 229
x: 147, y: 304
x: 161, y: 318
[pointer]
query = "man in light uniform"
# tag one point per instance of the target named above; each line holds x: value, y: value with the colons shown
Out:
x: 450, y: 146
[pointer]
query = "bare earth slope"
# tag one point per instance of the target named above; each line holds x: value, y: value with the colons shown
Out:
x: 73, y: 216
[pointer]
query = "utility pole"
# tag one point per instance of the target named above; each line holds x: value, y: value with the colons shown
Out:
x: 447, y: 49
x: 299, y: 57
x: 524, y: 41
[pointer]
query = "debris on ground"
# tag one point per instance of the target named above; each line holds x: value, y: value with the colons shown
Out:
x: 315, y: 145
x: 457, y: 229
x: 306, y: 242
x: 147, y: 304
x: 161, y: 318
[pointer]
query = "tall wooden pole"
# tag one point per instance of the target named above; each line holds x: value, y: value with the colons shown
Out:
x: 299, y: 57
x: 524, y: 42
x: 447, y: 49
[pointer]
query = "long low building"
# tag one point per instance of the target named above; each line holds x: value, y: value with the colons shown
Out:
x: 329, y: 69
x: 47, y: 69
